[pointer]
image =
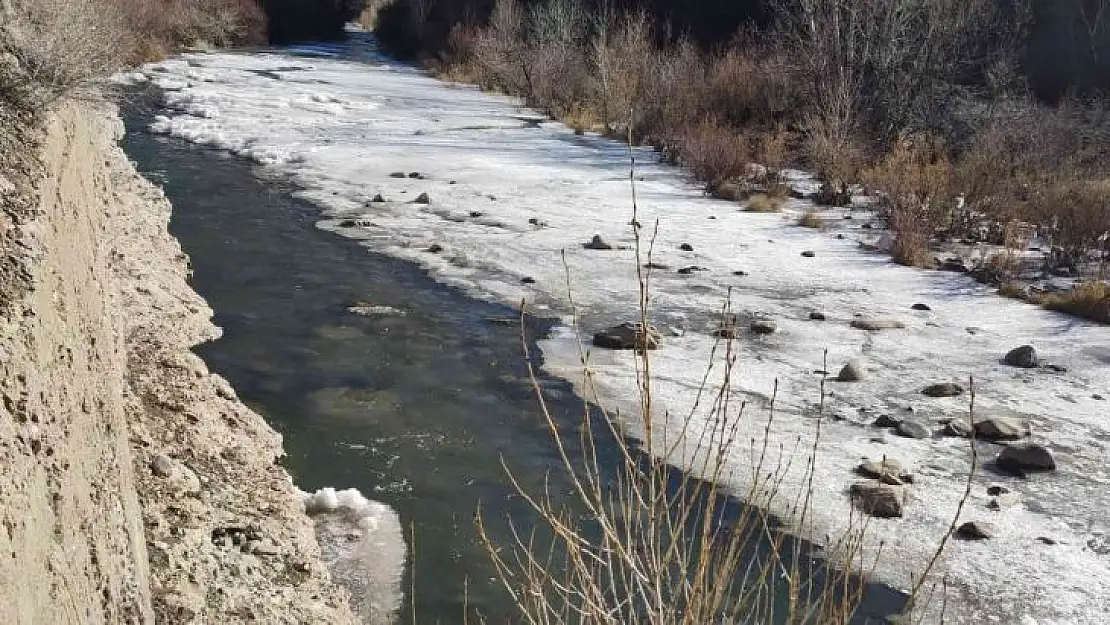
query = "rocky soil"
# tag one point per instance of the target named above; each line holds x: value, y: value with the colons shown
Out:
x: 136, y: 487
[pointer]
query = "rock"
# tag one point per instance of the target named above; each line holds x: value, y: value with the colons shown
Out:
x: 528, y: 280
x: 875, y: 324
x: 840, y: 235
x: 659, y: 266
x: 1046, y: 540
x: 975, y: 530
x: 435, y: 248
x: 1098, y: 397
x: 740, y: 273
x: 685, y: 271
x: 854, y: 371
x: 920, y: 307
x: 1056, y: 368
x: 686, y: 247
x: 879, y: 500
x: 764, y: 326
x: 913, y: 429
x: 997, y: 490
x: 944, y: 389
x: 954, y: 264
x: 476, y: 214
x: 1025, y: 457
x: 597, y: 243
x: 1003, y: 501
x: 729, y: 333
x: 1024, y: 357
x: 808, y: 254
x: 423, y: 199
x: 958, y: 427
x: 263, y: 549
x: 161, y: 465
x: 628, y: 335
x: 887, y: 421
x: 397, y: 174
x: 378, y: 199
x: 1002, y: 429
x: 817, y: 316
x: 887, y: 471
x: 415, y: 175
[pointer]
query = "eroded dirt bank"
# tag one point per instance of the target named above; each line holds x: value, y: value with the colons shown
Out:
x: 135, y: 486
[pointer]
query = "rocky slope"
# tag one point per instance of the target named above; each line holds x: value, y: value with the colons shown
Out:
x: 136, y: 487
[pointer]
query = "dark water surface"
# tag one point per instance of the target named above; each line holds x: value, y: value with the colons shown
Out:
x: 415, y: 410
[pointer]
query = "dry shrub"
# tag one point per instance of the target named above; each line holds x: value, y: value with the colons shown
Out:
x: 999, y: 268
x: 746, y: 85
x: 672, y: 101
x: 715, y: 153
x: 620, y: 57
x: 1077, y: 218
x: 64, y: 46
x: 811, y: 219
x: 763, y: 203
x: 773, y: 147
x: 916, y: 183
x: 164, y: 25
x: 1014, y: 290
x: 1088, y: 299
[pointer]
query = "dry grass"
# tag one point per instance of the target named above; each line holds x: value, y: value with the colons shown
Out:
x: 1090, y: 300
x: 1013, y: 289
x: 811, y: 219
x: 763, y: 203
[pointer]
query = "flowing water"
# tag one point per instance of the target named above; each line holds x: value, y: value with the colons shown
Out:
x: 417, y: 408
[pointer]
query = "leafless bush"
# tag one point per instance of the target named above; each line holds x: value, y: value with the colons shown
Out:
x: 714, y: 153
x: 64, y: 46
x: 621, y: 54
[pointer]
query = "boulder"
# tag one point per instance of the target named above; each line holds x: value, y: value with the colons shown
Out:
x: 161, y: 465
x: 597, y: 243
x: 887, y: 471
x: 817, y: 316
x: 958, y: 427
x: 875, y: 324
x: 1002, y: 429
x: 764, y: 326
x: 944, y: 389
x: 435, y: 248
x: 378, y: 199
x: 920, y: 307
x: 1024, y: 357
x: 686, y: 247
x: 854, y: 371
x: 975, y: 530
x: 686, y: 271
x: 913, y: 429
x: 1025, y: 457
x: 423, y: 199
x: 628, y: 335
x: 887, y: 421
x: 879, y: 500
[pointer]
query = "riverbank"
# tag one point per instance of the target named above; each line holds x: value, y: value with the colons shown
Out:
x: 507, y: 194
x: 137, y: 487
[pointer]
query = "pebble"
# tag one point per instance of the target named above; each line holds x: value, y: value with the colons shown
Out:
x: 161, y: 465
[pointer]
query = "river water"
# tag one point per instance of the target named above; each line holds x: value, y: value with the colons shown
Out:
x: 416, y: 409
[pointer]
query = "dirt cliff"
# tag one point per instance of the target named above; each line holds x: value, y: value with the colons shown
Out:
x: 134, y: 486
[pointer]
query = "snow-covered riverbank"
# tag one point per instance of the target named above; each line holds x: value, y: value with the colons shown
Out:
x: 507, y: 195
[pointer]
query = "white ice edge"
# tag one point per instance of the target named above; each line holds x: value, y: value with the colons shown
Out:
x: 338, y: 129
x: 363, y: 545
